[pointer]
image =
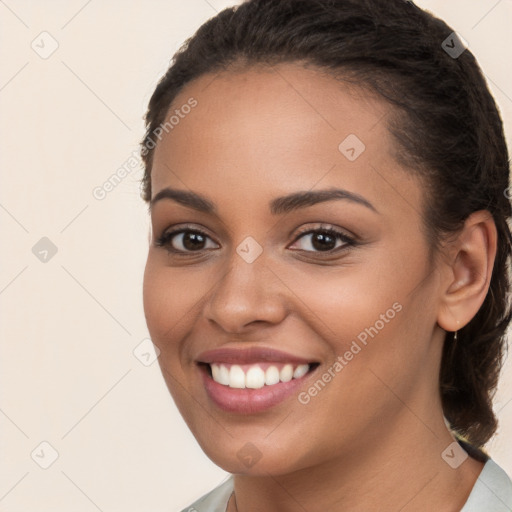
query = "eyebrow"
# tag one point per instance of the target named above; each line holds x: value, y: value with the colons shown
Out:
x: 278, y: 206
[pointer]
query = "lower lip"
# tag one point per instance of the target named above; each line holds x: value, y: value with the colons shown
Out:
x: 250, y: 401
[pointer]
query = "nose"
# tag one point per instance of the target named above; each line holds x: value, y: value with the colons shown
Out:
x: 245, y: 296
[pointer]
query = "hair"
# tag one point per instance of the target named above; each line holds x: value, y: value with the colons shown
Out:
x: 445, y: 124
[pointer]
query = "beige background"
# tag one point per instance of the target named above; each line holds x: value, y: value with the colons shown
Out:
x: 69, y: 327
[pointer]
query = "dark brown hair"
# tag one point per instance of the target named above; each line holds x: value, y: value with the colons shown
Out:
x: 446, y: 125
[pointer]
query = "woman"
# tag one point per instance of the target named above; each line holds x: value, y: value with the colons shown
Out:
x: 327, y: 273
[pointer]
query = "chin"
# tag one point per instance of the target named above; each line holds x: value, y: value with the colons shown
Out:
x: 255, y: 458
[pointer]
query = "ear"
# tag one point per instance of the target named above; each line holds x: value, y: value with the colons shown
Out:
x: 466, y: 277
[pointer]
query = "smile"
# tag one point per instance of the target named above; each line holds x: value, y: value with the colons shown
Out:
x: 252, y: 380
x: 255, y: 376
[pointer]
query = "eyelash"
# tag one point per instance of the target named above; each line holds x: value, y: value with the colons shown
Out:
x: 165, y: 240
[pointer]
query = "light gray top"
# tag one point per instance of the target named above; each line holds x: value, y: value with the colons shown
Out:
x: 492, y: 492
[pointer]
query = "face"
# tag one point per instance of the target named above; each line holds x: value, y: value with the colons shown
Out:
x: 288, y: 285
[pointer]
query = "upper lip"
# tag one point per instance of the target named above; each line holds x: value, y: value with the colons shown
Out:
x: 248, y: 356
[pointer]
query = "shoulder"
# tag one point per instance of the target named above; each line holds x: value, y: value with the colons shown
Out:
x: 492, y: 491
x: 214, y: 501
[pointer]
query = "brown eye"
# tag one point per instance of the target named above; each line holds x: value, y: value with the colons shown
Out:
x: 324, y: 240
x: 184, y: 240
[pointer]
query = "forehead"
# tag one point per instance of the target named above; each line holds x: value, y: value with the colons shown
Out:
x: 281, y: 129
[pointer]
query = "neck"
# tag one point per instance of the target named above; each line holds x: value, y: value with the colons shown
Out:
x: 402, y: 469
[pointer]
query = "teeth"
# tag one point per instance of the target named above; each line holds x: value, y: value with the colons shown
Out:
x: 236, y: 377
x: 223, y: 375
x: 256, y: 377
x: 215, y: 372
x: 300, y: 371
x: 271, y: 375
x: 286, y: 374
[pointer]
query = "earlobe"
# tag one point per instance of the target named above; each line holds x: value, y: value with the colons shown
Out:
x: 469, y: 271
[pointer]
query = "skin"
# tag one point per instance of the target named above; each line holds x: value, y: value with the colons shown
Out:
x: 372, y: 438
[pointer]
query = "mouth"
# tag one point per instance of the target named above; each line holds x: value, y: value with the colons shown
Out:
x: 252, y: 380
x: 258, y: 375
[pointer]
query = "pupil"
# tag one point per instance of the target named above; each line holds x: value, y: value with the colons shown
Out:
x: 323, y: 241
x: 193, y: 241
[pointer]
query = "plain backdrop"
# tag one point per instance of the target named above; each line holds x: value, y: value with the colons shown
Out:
x: 77, y: 393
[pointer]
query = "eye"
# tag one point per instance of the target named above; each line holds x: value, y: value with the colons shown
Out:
x: 185, y: 240
x: 324, y: 239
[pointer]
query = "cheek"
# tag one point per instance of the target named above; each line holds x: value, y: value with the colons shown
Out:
x: 374, y: 316
x: 171, y: 298
x: 341, y: 303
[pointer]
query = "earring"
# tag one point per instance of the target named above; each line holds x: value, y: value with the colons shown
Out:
x: 455, y: 332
